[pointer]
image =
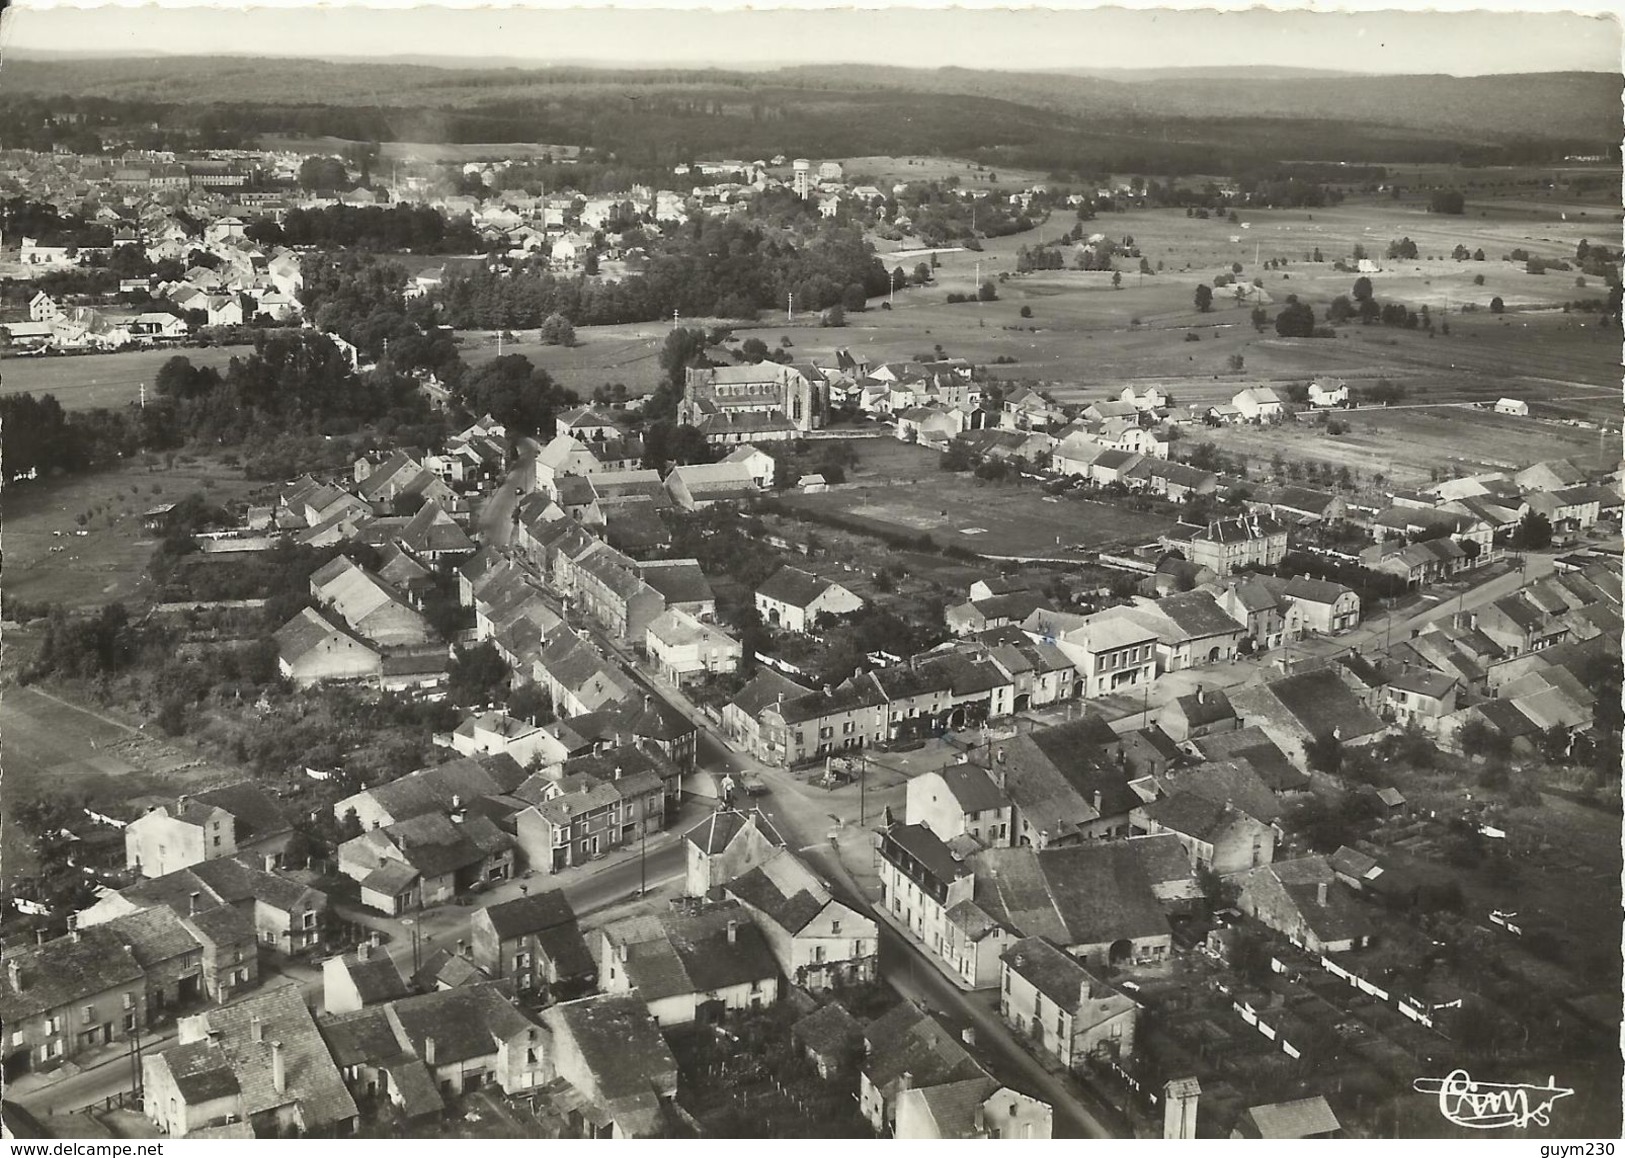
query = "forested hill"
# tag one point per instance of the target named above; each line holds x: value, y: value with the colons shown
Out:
x: 1050, y: 121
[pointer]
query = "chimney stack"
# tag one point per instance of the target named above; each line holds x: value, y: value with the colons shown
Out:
x: 374, y: 939
x: 1097, y: 803
x: 1320, y: 894
x: 968, y: 1035
x: 192, y: 904
x: 733, y: 932
x: 279, y: 1071
x: 256, y: 1029
x: 428, y: 1052
x: 620, y: 951
x: 462, y: 947
x: 905, y: 1081
x: 363, y: 951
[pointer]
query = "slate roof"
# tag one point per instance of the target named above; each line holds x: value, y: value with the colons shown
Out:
x: 1205, y: 707
x: 927, y: 848
x: 782, y: 889
x: 1320, y: 702
x: 1315, y: 590
x: 466, y: 1022
x: 432, y: 789
x: 793, y: 587
x: 312, y: 1079
x: 619, y: 1043
x: 257, y: 814
x: 1197, y: 615
x: 1226, y: 781
x: 1304, y: 1118
x: 972, y: 788
x: 530, y: 914
x: 670, y: 954
x: 1082, y: 895
x: 912, y: 1041
x: 713, y: 834
x: 154, y: 936
x: 952, y: 1106
x: 66, y: 971
x: 828, y: 1031
x: 376, y: 978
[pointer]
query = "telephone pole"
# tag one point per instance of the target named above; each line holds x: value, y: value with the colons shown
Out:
x: 790, y: 308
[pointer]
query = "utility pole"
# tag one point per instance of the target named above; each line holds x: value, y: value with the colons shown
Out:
x: 643, y: 863
x: 978, y: 281
x: 143, y: 395
x: 790, y: 308
x: 863, y: 789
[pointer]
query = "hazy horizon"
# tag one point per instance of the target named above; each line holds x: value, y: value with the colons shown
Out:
x: 1106, y: 40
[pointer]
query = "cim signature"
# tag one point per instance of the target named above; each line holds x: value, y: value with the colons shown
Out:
x: 1491, y: 1105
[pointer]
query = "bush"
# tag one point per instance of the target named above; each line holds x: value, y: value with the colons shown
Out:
x: 1192, y: 336
x: 1027, y: 311
x: 1497, y: 306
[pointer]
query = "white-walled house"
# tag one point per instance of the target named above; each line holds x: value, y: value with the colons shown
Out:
x: 792, y: 599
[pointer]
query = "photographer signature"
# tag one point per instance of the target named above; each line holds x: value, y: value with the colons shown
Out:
x: 1480, y: 1105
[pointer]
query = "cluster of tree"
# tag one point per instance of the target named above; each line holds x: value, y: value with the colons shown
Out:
x: 725, y: 269
x: 21, y: 217
x: 1039, y: 257
x: 520, y: 395
x: 360, y: 298
x: 293, y: 383
x: 1370, y: 584
x: 1365, y: 306
x: 412, y: 228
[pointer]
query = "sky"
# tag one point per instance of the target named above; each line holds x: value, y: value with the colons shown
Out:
x: 1363, y: 39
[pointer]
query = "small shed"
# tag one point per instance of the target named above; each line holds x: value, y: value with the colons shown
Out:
x: 158, y: 519
x: 1514, y: 406
x: 812, y: 484
x: 831, y: 1038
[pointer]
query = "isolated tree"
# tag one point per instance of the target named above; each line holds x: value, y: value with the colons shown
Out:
x: 753, y: 350
x: 1296, y: 320
x: 1362, y: 289
x: 1447, y: 201
x: 557, y: 331
x: 1497, y: 305
x: 1261, y: 318
x: 1236, y: 362
x: 834, y: 317
x: 987, y: 292
x: 1117, y: 278
x: 922, y: 274
x: 1204, y: 298
x: 1026, y: 311
x: 1534, y: 531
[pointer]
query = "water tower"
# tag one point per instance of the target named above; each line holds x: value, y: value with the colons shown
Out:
x: 803, y: 168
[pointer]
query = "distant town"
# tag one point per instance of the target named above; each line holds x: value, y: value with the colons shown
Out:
x: 487, y: 660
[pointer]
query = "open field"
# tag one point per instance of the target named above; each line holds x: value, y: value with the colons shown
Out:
x: 603, y: 355
x: 989, y: 518
x: 89, y: 381
x: 56, y: 748
x: 109, y: 561
x: 1407, y: 445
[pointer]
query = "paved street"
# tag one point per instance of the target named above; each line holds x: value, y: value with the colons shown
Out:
x: 496, y: 513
